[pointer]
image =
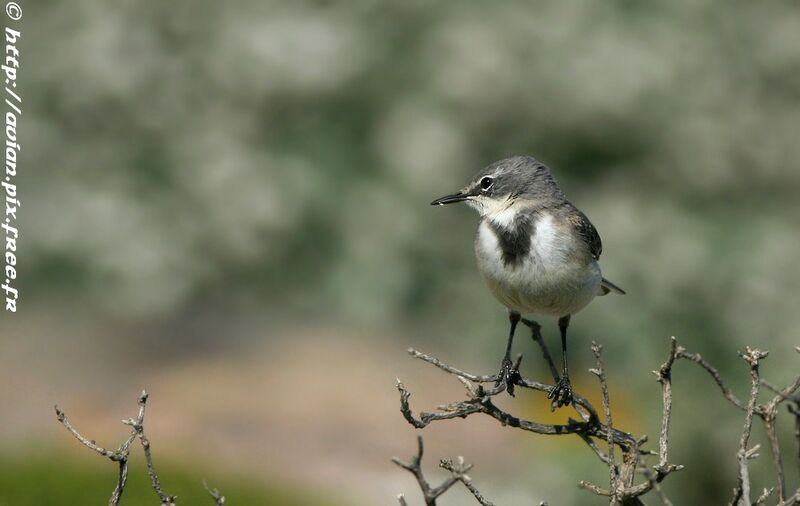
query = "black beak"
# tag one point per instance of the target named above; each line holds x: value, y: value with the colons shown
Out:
x: 449, y: 199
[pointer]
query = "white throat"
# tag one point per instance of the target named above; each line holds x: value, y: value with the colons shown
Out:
x: 500, y: 211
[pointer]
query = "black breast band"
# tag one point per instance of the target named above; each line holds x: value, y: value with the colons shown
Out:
x: 514, y: 240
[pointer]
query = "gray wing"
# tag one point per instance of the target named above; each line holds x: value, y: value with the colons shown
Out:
x: 590, y: 236
x: 587, y: 231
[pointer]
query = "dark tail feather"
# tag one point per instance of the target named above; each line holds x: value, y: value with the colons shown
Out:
x: 607, y: 287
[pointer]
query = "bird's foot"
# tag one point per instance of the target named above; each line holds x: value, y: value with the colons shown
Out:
x: 508, y: 375
x: 561, y: 394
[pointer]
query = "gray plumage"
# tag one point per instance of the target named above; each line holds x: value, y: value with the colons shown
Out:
x: 536, y: 251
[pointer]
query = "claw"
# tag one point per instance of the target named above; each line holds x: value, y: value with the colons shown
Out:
x: 561, y: 394
x: 509, y: 375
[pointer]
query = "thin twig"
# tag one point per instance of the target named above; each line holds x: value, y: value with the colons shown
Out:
x: 699, y: 360
x: 794, y: 409
x: 430, y: 493
x: 598, y: 371
x: 764, y: 496
x: 775, y: 449
x: 794, y: 500
x: 215, y: 494
x: 594, y: 488
x: 114, y: 455
x: 459, y: 470
x: 664, y: 374
x: 138, y: 428
x: 656, y: 486
x: 452, y: 370
x: 121, y: 455
x: 742, y: 491
x: 768, y: 413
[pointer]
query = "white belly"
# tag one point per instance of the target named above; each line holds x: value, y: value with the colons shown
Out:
x: 554, y: 278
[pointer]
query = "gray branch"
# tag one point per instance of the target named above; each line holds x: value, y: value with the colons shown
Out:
x: 121, y: 455
x: 622, y: 488
x: 741, y: 495
x: 457, y: 470
x: 599, y: 371
x: 215, y: 494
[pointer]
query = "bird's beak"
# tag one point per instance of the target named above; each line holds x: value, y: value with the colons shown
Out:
x: 449, y: 199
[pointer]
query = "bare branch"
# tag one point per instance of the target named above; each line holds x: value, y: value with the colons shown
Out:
x: 768, y: 413
x: 794, y: 409
x: 114, y: 455
x: 594, y: 488
x: 652, y: 478
x: 459, y: 470
x: 598, y: 371
x: 742, y: 490
x: 482, y: 403
x: 215, y: 494
x: 591, y: 430
x: 138, y: 430
x: 772, y: 436
x: 664, y: 375
x: 764, y: 496
x: 429, y: 493
x: 699, y: 360
x: 452, y: 370
x: 792, y: 501
x: 122, y: 454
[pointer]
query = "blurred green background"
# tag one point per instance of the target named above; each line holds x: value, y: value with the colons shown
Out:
x: 226, y: 203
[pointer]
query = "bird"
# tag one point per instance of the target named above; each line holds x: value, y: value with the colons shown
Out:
x: 536, y: 252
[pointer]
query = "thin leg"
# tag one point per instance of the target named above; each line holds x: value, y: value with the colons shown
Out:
x: 536, y: 334
x: 508, y: 374
x: 514, y: 319
x: 563, y: 323
x: 562, y: 392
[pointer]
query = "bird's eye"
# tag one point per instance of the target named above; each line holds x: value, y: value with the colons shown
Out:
x: 486, y: 183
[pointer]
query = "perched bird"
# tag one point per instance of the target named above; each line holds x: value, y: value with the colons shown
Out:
x: 536, y: 251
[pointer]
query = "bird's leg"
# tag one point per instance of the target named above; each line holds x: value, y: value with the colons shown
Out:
x: 562, y: 392
x: 508, y: 373
x: 536, y: 334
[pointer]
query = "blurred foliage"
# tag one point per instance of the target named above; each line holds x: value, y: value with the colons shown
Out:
x: 287, y: 150
x: 61, y: 478
x: 187, y: 158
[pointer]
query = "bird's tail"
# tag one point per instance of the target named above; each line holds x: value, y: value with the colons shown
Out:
x: 607, y: 287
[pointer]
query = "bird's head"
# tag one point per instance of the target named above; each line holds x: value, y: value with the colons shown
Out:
x: 505, y: 183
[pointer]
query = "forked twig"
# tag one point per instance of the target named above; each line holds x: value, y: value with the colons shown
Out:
x: 121, y: 455
x: 458, y: 471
